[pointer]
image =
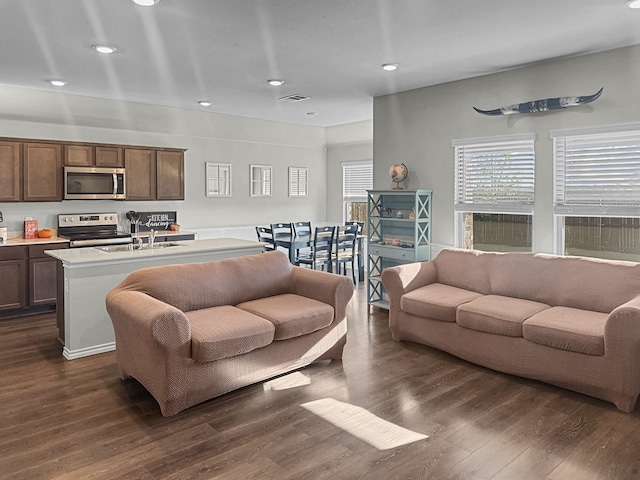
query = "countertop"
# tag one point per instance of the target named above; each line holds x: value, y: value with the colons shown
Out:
x: 33, y: 241
x: 89, y: 255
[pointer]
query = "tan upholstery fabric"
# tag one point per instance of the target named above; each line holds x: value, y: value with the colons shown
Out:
x: 566, y: 328
x: 436, y: 301
x: 221, y: 332
x: 497, y: 314
x: 587, y: 341
x: 155, y: 338
x: 292, y: 315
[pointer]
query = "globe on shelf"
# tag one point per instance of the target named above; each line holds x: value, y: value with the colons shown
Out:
x: 398, y: 173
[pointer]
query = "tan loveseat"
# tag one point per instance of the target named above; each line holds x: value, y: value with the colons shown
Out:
x: 192, y: 332
x: 569, y: 321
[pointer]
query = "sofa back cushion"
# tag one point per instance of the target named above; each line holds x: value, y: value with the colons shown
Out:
x: 577, y: 282
x: 195, y: 286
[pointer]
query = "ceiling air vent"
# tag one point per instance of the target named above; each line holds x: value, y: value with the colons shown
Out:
x: 294, y: 98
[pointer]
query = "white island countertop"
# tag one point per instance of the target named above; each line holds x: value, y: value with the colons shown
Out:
x: 118, y: 253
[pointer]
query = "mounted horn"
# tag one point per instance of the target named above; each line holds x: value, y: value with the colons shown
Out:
x: 542, y: 105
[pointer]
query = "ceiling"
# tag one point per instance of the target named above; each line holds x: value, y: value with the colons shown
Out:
x: 182, y: 51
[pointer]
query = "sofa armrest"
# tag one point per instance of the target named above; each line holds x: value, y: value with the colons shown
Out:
x: 329, y: 288
x: 404, y: 278
x: 139, y: 317
x: 622, y: 329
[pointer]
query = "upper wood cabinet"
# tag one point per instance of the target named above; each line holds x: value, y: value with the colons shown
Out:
x: 170, y: 175
x: 93, y: 156
x: 10, y: 179
x: 79, y: 155
x: 140, y: 166
x: 42, y: 172
x: 109, y: 157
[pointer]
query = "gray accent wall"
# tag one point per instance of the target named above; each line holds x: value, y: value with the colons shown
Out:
x: 418, y: 126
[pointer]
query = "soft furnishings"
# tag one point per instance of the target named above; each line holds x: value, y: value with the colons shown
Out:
x: 192, y: 332
x: 569, y: 321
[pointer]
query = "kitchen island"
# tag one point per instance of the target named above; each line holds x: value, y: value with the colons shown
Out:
x: 85, y: 275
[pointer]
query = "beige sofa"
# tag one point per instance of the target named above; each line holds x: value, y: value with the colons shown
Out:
x: 569, y: 321
x: 192, y: 332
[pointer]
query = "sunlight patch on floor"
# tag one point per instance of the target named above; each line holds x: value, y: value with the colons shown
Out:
x: 363, y: 424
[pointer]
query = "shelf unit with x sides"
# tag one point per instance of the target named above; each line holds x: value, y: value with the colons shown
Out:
x: 398, y: 232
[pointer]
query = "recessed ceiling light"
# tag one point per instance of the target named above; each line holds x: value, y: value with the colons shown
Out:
x: 275, y: 82
x: 57, y: 83
x: 145, y: 3
x: 204, y: 103
x: 103, y: 48
x: 389, y: 67
x: 633, y: 3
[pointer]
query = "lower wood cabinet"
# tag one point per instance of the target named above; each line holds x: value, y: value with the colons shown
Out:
x: 13, y: 277
x: 27, y: 277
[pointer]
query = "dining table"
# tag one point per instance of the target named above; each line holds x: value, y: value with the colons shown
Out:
x: 293, y: 242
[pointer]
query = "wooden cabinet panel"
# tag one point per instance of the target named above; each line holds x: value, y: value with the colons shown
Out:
x: 170, y: 175
x: 109, y: 157
x: 42, y: 172
x: 10, y: 181
x: 79, y: 155
x: 42, y: 281
x: 141, y: 174
x: 13, y: 277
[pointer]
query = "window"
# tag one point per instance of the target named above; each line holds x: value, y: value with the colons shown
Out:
x: 357, y: 178
x: 298, y: 182
x: 260, y: 180
x: 218, y: 179
x: 597, y: 192
x: 494, y: 192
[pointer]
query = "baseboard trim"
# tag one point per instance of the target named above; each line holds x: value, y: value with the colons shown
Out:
x: 85, y: 352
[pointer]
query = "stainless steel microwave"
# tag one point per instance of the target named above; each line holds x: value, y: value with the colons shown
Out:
x: 94, y: 183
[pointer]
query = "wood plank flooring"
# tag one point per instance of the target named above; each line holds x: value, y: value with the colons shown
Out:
x: 76, y: 419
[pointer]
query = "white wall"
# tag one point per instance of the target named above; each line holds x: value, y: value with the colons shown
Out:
x: 207, y: 136
x: 417, y: 127
x: 345, y: 143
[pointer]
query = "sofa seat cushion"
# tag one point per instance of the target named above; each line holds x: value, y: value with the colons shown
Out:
x: 293, y: 315
x: 567, y: 328
x: 226, y: 331
x: 436, y: 301
x: 497, y: 314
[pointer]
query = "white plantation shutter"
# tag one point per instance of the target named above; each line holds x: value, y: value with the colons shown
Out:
x: 495, y: 174
x: 597, y: 174
x: 357, y: 179
x: 298, y: 181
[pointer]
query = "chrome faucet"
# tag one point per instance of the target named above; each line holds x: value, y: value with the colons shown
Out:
x: 152, y: 238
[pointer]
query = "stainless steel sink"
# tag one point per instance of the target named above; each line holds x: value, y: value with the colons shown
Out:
x: 132, y: 247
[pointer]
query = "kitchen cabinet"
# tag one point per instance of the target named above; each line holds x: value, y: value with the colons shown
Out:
x: 93, y: 156
x: 79, y: 155
x: 169, y: 175
x: 42, y: 274
x: 42, y: 172
x: 140, y: 166
x: 13, y: 277
x: 399, y: 231
x: 10, y: 179
x: 109, y: 157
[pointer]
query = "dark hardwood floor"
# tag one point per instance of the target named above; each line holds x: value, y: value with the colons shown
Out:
x: 77, y: 420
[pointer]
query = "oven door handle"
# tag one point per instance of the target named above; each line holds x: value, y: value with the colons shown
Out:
x: 115, y: 183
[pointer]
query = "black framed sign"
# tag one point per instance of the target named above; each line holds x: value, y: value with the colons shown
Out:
x: 157, y: 221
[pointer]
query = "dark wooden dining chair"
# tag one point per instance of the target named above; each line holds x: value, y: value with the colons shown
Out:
x: 265, y: 236
x: 346, y: 250
x: 282, y: 229
x: 301, y: 229
x: 359, y: 224
x: 321, y: 251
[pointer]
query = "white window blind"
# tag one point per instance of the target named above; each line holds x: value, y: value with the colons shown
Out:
x: 357, y: 179
x: 298, y: 181
x: 495, y: 175
x: 597, y: 174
